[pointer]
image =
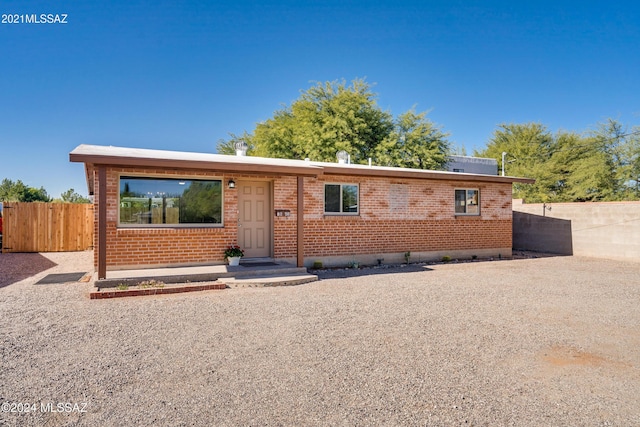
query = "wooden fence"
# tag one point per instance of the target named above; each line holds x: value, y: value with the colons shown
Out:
x: 47, y: 227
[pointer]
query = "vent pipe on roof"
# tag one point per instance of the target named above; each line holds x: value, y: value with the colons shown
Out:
x: 241, y: 148
x: 342, y: 156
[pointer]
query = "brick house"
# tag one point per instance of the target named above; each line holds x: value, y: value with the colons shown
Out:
x: 166, y: 208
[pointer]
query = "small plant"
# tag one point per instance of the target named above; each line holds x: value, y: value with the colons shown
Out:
x: 233, y: 251
x: 407, y: 256
x: 446, y: 258
x: 151, y: 284
x: 122, y: 287
x: 354, y: 264
x: 474, y: 256
x: 317, y: 264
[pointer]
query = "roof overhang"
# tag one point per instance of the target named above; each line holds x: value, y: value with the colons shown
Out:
x: 391, y: 172
x: 118, y: 156
x: 93, y: 155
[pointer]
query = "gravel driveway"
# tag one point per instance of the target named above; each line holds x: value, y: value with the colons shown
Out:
x: 549, y: 341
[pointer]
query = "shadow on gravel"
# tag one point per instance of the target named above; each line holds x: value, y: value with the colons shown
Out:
x: 522, y: 254
x: 15, y: 267
x: 339, y: 273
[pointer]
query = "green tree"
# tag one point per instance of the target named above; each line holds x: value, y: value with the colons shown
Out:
x: 415, y: 142
x: 630, y: 170
x: 327, y: 118
x: 19, y: 192
x: 70, y: 196
x: 459, y: 150
x: 600, y: 165
x: 569, y: 149
x: 528, y: 147
x: 619, y: 150
x: 331, y: 116
x: 582, y: 171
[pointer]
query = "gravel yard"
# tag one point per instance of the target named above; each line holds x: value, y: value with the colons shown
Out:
x: 548, y: 341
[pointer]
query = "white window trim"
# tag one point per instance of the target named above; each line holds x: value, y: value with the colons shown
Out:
x: 465, y: 189
x: 324, y: 190
x: 177, y: 178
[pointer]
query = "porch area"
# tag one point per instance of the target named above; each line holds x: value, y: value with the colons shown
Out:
x: 250, y: 273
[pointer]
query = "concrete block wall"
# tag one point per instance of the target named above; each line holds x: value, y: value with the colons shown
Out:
x: 595, y: 229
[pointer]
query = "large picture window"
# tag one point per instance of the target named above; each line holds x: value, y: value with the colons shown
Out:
x: 467, y: 201
x: 341, y: 199
x: 158, y: 201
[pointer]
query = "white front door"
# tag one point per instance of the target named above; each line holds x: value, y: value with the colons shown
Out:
x: 254, y: 218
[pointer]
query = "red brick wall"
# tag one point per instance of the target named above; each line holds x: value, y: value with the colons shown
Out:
x: 399, y: 215
x: 396, y: 215
x: 285, y: 196
x: 146, y: 247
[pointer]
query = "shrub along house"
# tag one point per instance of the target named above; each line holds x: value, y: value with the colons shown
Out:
x: 167, y: 208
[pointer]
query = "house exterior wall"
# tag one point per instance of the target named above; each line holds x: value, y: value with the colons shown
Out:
x: 395, y: 216
x: 406, y: 215
x: 135, y: 247
x: 285, y: 194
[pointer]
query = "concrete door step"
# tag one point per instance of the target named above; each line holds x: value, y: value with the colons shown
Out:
x: 198, y: 274
x: 269, y: 280
x: 246, y: 271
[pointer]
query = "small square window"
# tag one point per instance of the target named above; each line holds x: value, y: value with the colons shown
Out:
x: 341, y: 199
x: 467, y: 201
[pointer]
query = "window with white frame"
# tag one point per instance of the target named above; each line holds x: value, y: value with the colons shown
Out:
x: 467, y: 201
x: 145, y: 201
x: 341, y: 199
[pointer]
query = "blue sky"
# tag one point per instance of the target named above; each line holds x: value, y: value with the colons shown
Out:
x: 182, y: 75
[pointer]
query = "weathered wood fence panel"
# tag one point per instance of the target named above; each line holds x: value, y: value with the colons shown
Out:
x: 47, y: 227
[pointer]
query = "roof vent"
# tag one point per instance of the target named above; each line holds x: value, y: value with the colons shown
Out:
x: 241, y: 148
x: 342, y: 156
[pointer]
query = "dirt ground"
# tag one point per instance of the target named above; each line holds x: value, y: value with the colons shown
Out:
x: 523, y: 342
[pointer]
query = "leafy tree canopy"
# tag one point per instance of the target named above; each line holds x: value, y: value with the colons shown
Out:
x: 598, y: 165
x: 19, y: 192
x: 331, y: 116
x: 70, y: 196
x: 414, y: 142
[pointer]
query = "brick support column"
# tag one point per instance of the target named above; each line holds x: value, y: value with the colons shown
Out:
x: 300, y: 218
x: 102, y: 222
